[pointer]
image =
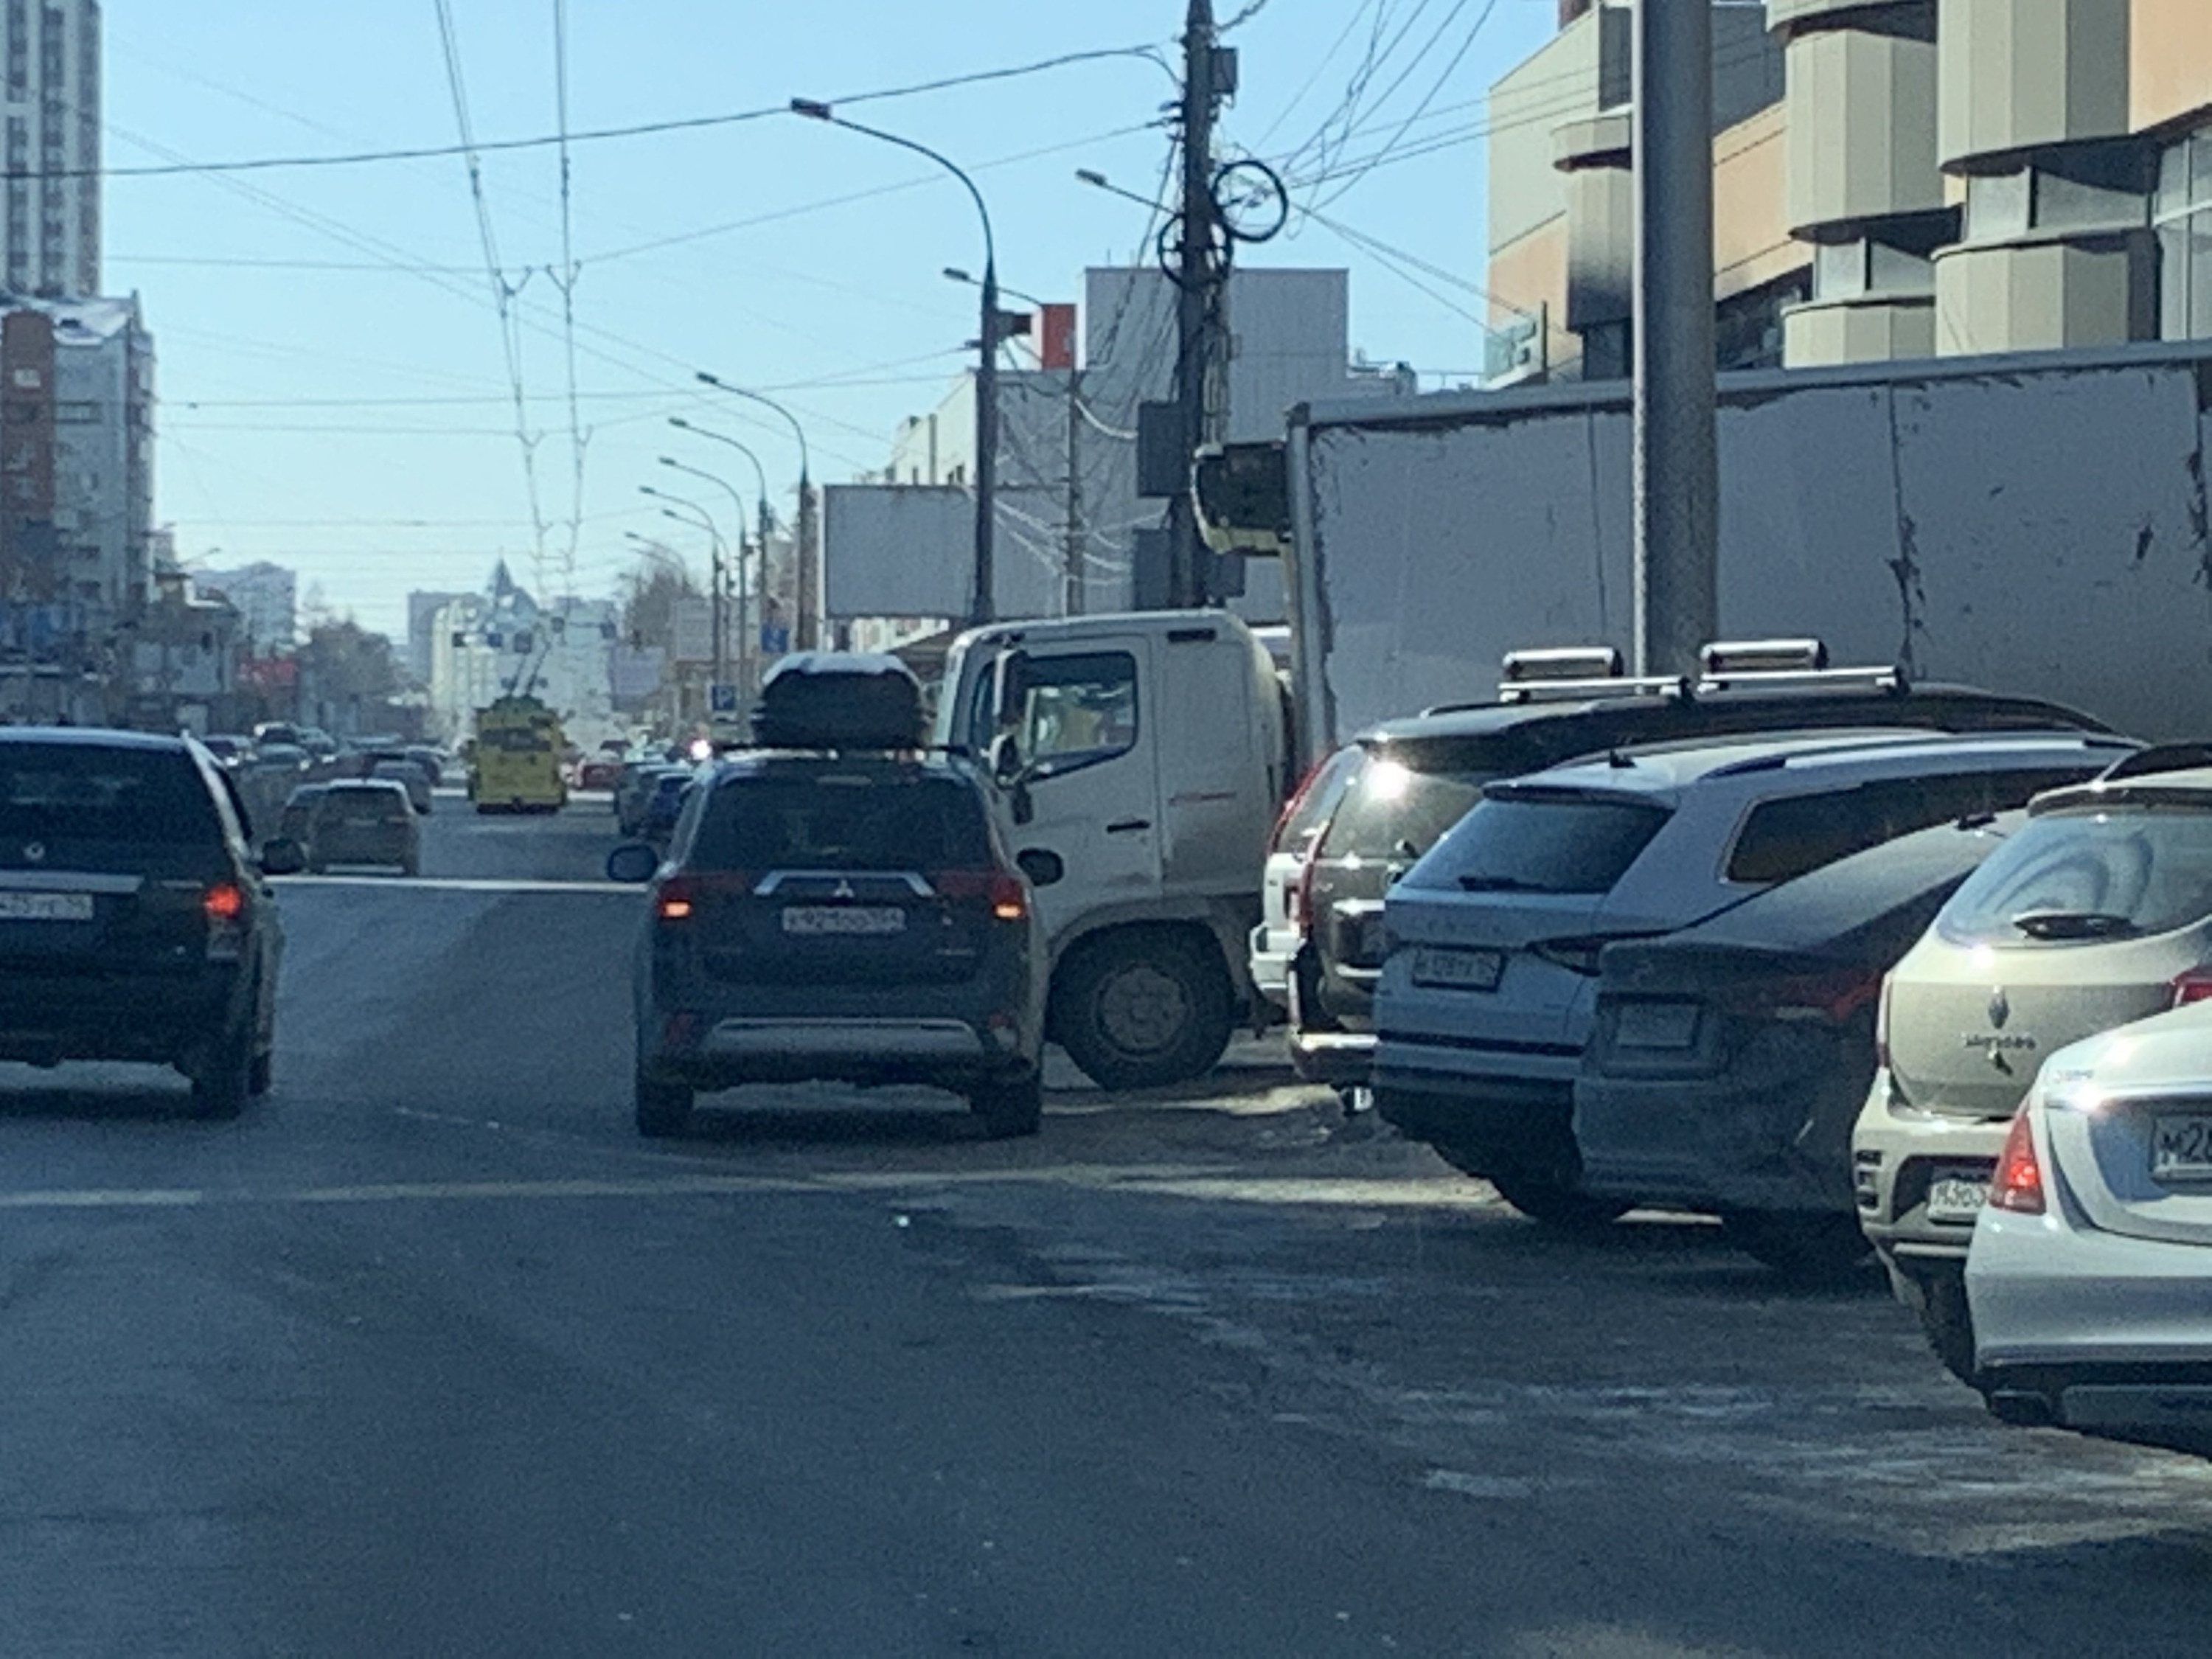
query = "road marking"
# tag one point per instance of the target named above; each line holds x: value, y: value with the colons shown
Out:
x: 402, y: 1192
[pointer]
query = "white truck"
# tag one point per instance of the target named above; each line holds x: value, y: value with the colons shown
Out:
x: 2036, y: 525
x: 1140, y: 762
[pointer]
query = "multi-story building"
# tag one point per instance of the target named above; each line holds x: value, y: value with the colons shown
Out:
x: 267, y: 600
x: 76, y: 476
x: 1893, y: 179
x: 50, y: 238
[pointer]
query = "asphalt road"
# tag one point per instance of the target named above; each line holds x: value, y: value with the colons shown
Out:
x: 429, y: 1355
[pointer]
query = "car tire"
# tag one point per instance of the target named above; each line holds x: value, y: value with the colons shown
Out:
x: 664, y: 1109
x: 1144, y: 1010
x: 223, y: 1079
x: 1551, y: 1202
x: 411, y: 868
x: 1806, y: 1248
x: 1009, y: 1110
x: 1938, y: 1295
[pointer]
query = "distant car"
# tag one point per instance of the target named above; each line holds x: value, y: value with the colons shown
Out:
x: 134, y: 923
x: 365, y: 821
x: 230, y: 748
x: 1730, y: 1060
x: 664, y: 804
x: 2099, y: 912
x: 432, y: 762
x: 296, y: 819
x: 847, y: 917
x: 599, y: 772
x: 408, y: 776
x: 2087, y: 1279
x: 638, y: 780
x: 1488, y: 996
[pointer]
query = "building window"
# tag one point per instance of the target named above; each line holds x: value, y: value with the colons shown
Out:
x: 2182, y: 211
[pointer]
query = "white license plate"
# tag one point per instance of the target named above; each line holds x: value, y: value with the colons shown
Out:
x: 2181, y: 1146
x: 1957, y: 1197
x: 820, y: 921
x: 1669, y: 1026
x: 1458, y: 970
x: 45, y: 907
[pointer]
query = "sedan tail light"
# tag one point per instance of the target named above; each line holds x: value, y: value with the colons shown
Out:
x: 2195, y: 986
x: 2018, y: 1186
x: 1830, y: 996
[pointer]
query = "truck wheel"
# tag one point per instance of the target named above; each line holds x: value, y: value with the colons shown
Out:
x: 1009, y: 1110
x: 664, y: 1109
x: 263, y: 1076
x: 224, y: 1077
x: 1806, y: 1247
x: 1144, y: 1010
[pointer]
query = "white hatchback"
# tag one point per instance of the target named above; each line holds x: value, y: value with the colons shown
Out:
x: 1487, y: 998
x: 2090, y: 1274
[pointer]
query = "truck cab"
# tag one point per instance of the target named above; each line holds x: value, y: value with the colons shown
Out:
x: 1137, y: 763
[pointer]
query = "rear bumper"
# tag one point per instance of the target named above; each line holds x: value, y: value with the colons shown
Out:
x: 156, y: 1018
x: 1341, y: 1059
x: 2047, y: 1293
x: 1270, y: 969
x: 1731, y: 1142
x: 1491, y: 1126
x: 1894, y: 1156
x: 946, y: 1051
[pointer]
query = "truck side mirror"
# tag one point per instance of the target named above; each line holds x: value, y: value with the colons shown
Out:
x: 1007, y: 765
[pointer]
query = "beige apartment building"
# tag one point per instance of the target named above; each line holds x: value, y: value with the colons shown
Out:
x: 1893, y: 179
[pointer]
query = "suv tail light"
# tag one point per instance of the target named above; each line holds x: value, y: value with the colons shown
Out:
x: 224, y: 906
x: 1881, y: 1022
x: 676, y: 901
x: 2018, y: 1185
x: 1005, y: 895
x: 2195, y: 986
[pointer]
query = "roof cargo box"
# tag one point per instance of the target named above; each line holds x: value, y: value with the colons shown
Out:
x: 839, y: 700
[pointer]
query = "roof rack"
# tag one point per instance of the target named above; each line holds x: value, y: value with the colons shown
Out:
x: 1892, y: 678
x: 1653, y: 685
x: 2160, y: 757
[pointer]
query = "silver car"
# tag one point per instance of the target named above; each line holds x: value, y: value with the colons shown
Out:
x: 365, y: 821
x: 2097, y: 912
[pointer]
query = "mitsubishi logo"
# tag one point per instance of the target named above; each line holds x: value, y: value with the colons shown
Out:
x: 34, y: 852
x: 844, y: 891
x: 2000, y: 1008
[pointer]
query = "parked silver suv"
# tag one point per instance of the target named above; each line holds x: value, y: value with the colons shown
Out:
x: 2097, y: 912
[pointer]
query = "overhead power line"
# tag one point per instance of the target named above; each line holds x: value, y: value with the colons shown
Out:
x: 591, y: 136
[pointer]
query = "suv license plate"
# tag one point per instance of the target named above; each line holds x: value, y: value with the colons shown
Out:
x: 1458, y: 970
x: 45, y: 907
x: 1957, y: 1196
x: 2181, y: 1146
x: 819, y: 921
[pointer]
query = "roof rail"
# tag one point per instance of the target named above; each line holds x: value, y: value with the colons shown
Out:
x: 1655, y: 686
x: 1892, y: 679
x: 1725, y: 657
x: 2160, y: 757
x: 1567, y: 662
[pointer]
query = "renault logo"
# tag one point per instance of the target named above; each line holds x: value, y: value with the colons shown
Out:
x: 2000, y: 1009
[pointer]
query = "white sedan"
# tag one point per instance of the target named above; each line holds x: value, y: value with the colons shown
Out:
x: 2090, y: 1278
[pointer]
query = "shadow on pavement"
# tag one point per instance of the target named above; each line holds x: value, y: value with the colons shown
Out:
x: 104, y: 1093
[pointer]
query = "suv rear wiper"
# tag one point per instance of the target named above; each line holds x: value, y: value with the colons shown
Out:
x: 2072, y: 924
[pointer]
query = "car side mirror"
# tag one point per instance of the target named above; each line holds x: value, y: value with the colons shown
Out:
x: 1042, y: 865
x: 282, y: 856
x: 633, y: 863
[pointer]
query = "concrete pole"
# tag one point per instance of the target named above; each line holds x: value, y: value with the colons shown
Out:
x: 982, y: 604
x: 1677, y: 453
x: 1195, y: 277
x: 1071, y: 603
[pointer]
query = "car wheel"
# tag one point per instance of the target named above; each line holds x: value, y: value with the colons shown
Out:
x: 1810, y: 1248
x: 1938, y: 1295
x: 1551, y: 1202
x: 224, y: 1077
x: 1009, y: 1110
x: 1143, y: 1011
x: 664, y: 1109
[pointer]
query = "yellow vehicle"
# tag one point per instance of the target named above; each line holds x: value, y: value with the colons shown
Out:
x: 515, y: 763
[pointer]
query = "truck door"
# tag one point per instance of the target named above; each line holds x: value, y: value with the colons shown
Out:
x: 1086, y: 723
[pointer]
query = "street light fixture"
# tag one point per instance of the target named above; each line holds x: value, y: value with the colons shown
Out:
x: 981, y: 605
x: 767, y: 528
x: 737, y: 504
x: 805, y: 629
x: 703, y: 520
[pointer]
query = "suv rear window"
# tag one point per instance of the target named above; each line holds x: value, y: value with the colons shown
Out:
x: 151, y: 797
x: 2148, y: 868
x: 1307, y: 814
x: 1531, y: 842
x: 841, y: 822
x: 1390, y: 809
x: 1786, y: 838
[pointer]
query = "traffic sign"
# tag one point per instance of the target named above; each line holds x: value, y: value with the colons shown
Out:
x: 722, y: 698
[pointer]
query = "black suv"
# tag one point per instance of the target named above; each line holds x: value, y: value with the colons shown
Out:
x: 845, y: 913
x: 134, y: 923
x: 1418, y: 776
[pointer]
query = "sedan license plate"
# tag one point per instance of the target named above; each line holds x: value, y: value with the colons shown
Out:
x: 822, y: 921
x: 1957, y: 1196
x: 45, y: 907
x: 2181, y: 1146
x: 1458, y: 970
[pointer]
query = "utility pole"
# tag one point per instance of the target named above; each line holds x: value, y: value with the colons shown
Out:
x: 1200, y: 273
x: 1072, y: 600
x: 1677, y: 447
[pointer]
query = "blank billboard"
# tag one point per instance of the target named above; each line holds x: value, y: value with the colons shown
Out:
x: 909, y: 551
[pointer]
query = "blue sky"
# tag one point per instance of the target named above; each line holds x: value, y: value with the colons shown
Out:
x: 334, y: 383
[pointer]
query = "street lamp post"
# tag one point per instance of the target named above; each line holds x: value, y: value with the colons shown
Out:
x: 747, y: 641
x: 737, y: 504
x: 981, y: 605
x: 703, y: 520
x: 803, y: 633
